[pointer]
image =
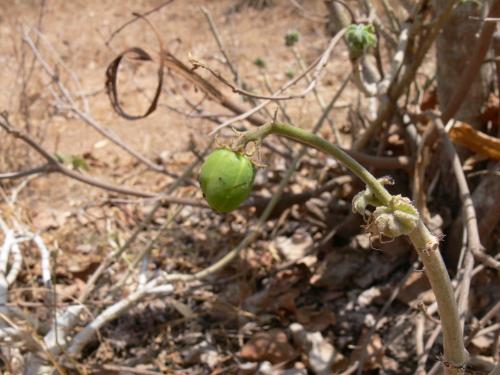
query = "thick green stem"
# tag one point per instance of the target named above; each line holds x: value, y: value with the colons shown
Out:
x: 422, y: 239
x: 427, y: 247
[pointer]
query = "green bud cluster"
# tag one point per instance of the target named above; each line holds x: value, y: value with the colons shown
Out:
x: 359, y: 39
x: 397, y: 218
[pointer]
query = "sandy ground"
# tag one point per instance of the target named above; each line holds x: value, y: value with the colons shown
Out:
x: 74, y: 35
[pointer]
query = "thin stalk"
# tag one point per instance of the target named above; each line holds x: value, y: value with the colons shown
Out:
x: 422, y: 239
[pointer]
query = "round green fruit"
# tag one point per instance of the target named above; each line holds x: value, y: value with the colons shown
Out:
x: 226, y: 179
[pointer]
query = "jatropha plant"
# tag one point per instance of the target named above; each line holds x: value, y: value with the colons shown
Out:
x: 227, y: 177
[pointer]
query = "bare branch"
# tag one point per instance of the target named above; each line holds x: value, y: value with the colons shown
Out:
x: 137, y: 16
x: 67, y: 101
x: 45, y: 261
x: 473, y: 239
x: 419, y: 344
x: 218, y: 39
x: 318, y: 63
x: 112, y: 312
x: 17, y: 259
x: 54, y: 166
x: 11, y: 175
x: 395, y: 90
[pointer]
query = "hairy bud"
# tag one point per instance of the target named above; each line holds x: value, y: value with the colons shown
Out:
x: 359, y: 39
x: 399, y: 218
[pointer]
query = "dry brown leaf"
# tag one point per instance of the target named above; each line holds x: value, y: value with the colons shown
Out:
x: 272, y: 346
x: 67, y: 292
x: 482, y: 343
x: 49, y: 219
x: 429, y: 100
x: 377, y: 358
x: 182, y: 308
x: 320, y: 352
x: 314, y: 320
x: 475, y: 140
x: 294, y: 247
x: 80, y: 266
x: 279, y: 296
x: 204, y: 353
x: 272, y: 301
x: 413, y: 288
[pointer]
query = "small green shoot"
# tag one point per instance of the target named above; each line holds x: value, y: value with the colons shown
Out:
x: 360, y: 38
x: 260, y: 62
x: 291, y: 38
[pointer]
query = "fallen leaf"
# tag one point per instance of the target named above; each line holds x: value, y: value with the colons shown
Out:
x: 272, y: 346
x: 315, y: 320
x: 294, y: 247
x: 203, y: 353
x: 414, y: 287
x: 182, y: 308
x: 482, y: 343
x: 279, y: 296
x: 49, y: 219
x: 429, y: 100
x: 376, y: 357
x: 81, y: 266
x: 266, y: 368
x: 475, y: 140
x: 320, y: 353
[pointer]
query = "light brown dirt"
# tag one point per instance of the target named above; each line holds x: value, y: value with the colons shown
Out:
x: 77, y: 32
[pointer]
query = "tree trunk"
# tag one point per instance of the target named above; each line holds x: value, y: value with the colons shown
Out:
x: 454, y: 47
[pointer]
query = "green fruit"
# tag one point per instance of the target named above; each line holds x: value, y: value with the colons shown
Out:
x: 226, y: 179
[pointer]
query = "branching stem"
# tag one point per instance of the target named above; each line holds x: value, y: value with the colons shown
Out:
x: 422, y: 239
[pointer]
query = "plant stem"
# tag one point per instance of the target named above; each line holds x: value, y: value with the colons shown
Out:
x: 427, y: 247
x: 310, y: 139
x: 422, y: 239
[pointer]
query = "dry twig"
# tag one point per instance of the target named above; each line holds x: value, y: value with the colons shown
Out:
x: 54, y: 166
